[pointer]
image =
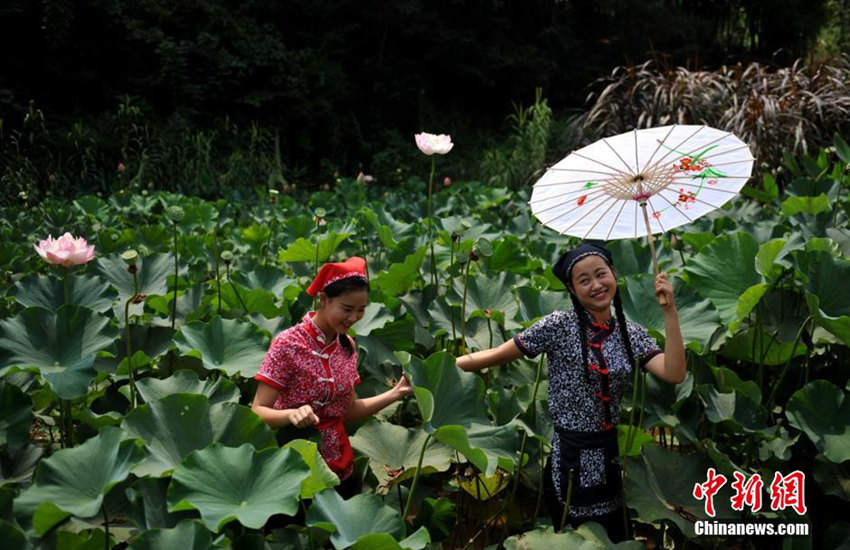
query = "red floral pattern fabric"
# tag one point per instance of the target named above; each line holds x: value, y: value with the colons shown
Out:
x: 307, y: 370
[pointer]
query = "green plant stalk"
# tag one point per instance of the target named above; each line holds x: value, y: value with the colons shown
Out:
x: 174, y: 301
x: 415, y: 479
x: 65, y: 419
x: 431, y: 221
x: 233, y: 286
x: 318, y: 242
x: 463, y: 310
x: 215, y: 263
x: 787, y: 364
x: 567, y: 501
x: 105, y: 527
x: 634, y: 400
x: 540, y: 481
x: 271, y: 236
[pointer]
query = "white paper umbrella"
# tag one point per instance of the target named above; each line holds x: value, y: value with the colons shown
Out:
x: 642, y: 182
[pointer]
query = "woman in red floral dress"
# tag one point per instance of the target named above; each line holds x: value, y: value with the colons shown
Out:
x: 309, y: 373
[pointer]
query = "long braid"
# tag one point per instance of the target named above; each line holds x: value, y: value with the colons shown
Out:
x: 624, y: 331
x: 582, y: 331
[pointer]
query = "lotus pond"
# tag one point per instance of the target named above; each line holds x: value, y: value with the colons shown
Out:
x: 125, y: 414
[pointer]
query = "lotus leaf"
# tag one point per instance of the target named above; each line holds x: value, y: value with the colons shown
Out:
x: 393, y: 452
x: 238, y: 483
x: 303, y: 250
x: 15, y: 416
x: 353, y: 518
x: 487, y: 447
x: 834, y: 479
x: 723, y: 271
x: 62, y: 345
x: 660, y: 484
x: 384, y: 541
x: 178, y: 424
x: 446, y: 395
x: 186, y: 535
x: 186, y: 381
x: 321, y: 476
x: 47, y: 292
x: 68, y: 482
x: 148, y: 507
x: 18, y: 465
x: 698, y: 318
x: 400, y: 277
x: 588, y: 536
x: 826, y: 294
x: 821, y: 410
x: 229, y: 345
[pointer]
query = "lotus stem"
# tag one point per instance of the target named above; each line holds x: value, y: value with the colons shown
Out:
x: 66, y: 290
x: 415, y: 479
x: 634, y: 400
x: 215, y: 261
x: 174, y: 301
x: 787, y: 363
x: 431, y: 221
x: 233, y: 286
x: 463, y: 310
x: 129, y: 352
x: 105, y: 527
x: 540, y: 481
x: 567, y: 501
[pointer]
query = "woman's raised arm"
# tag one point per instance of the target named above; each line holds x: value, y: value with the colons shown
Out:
x: 493, y: 357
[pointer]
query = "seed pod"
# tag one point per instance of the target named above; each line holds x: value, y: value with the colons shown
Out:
x: 175, y: 213
x: 320, y: 212
x: 130, y: 257
x: 676, y: 243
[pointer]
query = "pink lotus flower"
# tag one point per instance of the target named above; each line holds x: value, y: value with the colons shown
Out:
x: 121, y: 167
x: 66, y: 250
x: 431, y: 144
x: 447, y: 181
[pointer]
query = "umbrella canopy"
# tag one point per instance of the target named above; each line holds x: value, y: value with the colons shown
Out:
x: 642, y: 182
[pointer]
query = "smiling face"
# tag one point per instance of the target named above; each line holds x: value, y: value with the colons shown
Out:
x: 594, y: 284
x: 336, y: 315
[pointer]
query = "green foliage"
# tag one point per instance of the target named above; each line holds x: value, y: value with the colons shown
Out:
x: 759, y: 295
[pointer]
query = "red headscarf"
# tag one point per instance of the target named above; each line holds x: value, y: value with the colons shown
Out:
x: 333, y: 272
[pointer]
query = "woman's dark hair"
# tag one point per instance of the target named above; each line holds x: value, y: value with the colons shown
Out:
x: 338, y: 288
x: 563, y: 273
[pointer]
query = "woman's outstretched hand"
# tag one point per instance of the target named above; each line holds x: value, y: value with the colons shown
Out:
x: 663, y: 287
x: 403, y: 387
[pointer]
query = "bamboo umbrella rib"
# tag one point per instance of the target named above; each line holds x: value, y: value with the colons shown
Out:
x: 717, y: 177
x: 618, y: 172
x: 697, y: 199
x: 626, y: 164
x: 660, y: 143
x: 637, y: 162
x: 599, y: 219
x: 586, y: 214
x: 727, y: 151
x: 598, y: 192
x: 667, y: 154
x: 617, y: 217
x: 731, y: 162
x: 569, y: 195
x: 674, y: 207
x: 573, y: 182
x: 718, y: 189
x: 553, y: 169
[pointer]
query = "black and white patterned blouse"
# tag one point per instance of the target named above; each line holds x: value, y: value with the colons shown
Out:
x: 575, y: 403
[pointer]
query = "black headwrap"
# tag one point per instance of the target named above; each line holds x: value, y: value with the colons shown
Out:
x: 563, y: 268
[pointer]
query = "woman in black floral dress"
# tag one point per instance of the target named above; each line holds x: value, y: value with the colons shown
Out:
x: 591, y: 354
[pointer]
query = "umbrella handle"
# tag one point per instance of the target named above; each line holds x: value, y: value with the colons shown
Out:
x: 662, y: 300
